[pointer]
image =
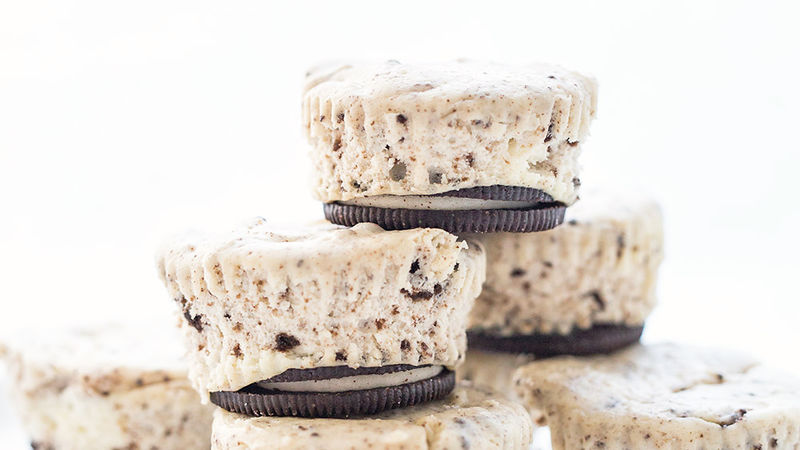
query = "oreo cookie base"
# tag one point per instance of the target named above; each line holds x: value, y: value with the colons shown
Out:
x: 484, y: 209
x: 326, y: 392
x: 599, y: 339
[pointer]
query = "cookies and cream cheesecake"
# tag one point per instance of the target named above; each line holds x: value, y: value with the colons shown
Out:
x: 108, y: 387
x: 324, y: 321
x: 463, y: 146
x: 585, y: 287
x: 469, y: 417
x: 663, y: 396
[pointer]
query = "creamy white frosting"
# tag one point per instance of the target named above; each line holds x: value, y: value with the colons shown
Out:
x: 355, y: 383
x: 436, y: 202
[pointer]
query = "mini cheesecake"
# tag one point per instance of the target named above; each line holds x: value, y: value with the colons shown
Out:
x: 583, y: 288
x: 462, y: 146
x: 323, y: 321
x: 109, y: 387
x: 469, y: 417
x: 663, y: 396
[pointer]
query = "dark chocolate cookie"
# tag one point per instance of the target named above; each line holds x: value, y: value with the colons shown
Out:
x: 604, y: 338
x: 543, y: 214
x: 254, y: 400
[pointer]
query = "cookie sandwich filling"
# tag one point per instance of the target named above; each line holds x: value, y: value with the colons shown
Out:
x: 485, y: 197
x: 355, y: 382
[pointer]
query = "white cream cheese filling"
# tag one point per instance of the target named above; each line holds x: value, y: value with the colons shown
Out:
x: 431, y: 202
x: 355, y: 383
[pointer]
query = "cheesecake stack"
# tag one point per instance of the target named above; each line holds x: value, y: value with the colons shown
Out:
x: 491, y: 152
x: 452, y: 281
x: 355, y: 328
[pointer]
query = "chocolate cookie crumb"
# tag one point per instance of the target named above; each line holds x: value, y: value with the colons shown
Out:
x: 417, y: 295
x: 550, y: 127
x: 598, y: 299
x: 195, y: 321
x: 470, y: 158
x: 398, y: 171
x: 285, y: 342
x: 733, y: 418
x: 434, y: 177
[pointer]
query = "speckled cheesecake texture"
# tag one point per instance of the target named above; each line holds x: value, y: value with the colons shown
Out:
x: 493, y: 370
x: 420, y: 129
x: 664, y: 397
x: 470, y: 417
x: 600, y: 267
x: 109, y: 387
x: 259, y: 300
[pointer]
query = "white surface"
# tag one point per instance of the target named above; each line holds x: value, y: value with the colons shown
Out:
x: 122, y: 122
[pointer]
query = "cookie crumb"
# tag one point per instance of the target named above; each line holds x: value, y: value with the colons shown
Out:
x: 285, y: 342
x: 549, y: 136
x: 398, y: 171
x: 417, y: 295
x: 195, y: 321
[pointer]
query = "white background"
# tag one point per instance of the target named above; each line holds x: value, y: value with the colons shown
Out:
x: 121, y: 122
